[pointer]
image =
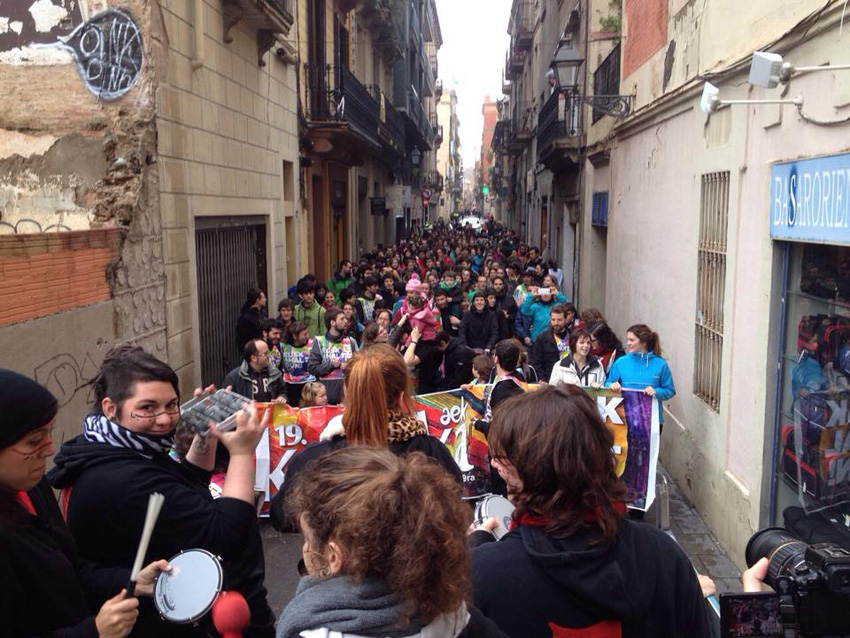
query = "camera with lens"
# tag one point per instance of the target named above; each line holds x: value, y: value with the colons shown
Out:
x: 812, y: 585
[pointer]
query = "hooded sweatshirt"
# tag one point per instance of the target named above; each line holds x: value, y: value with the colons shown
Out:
x: 109, y: 489
x: 638, y: 371
x: 641, y: 585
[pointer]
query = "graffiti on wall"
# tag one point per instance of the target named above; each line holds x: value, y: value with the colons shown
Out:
x: 64, y: 375
x: 108, y: 52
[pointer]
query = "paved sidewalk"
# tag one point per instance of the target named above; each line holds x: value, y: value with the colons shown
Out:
x: 695, y: 538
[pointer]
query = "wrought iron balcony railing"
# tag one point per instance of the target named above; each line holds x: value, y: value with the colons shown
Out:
x: 336, y: 95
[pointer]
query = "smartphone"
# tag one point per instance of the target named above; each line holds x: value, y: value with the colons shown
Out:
x: 750, y: 615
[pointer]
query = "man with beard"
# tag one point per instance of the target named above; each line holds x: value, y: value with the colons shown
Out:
x: 506, y: 308
x: 256, y: 379
x: 450, y: 317
x: 552, y: 345
x: 273, y: 333
x: 331, y: 353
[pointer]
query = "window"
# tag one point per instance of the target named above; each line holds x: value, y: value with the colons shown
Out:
x: 606, y: 80
x: 599, y: 216
x: 711, y: 287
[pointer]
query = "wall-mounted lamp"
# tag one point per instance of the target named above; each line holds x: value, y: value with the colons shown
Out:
x: 711, y: 101
x: 769, y: 69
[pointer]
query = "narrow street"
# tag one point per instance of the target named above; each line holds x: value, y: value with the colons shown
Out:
x: 580, y: 268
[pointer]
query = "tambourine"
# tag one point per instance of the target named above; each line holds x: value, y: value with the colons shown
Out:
x: 186, y: 594
x: 498, y: 507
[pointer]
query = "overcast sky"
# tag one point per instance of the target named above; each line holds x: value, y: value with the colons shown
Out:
x: 471, y: 61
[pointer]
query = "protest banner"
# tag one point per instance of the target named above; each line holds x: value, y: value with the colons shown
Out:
x: 634, y: 420
x: 450, y: 416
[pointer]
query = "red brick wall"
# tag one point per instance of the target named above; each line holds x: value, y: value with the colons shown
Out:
x: 646, y: 32
x: 47, y: 273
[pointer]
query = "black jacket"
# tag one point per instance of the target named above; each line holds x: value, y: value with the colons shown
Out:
x: 258, y: 386
x: 457, y: 365
x: 46, y: 589
x: 479, y: 329
x: 544, y: 354
x: 643, y: 584
x: 106, y: 512
x: 249, y: 326
x: 428, y: 445
x: 506, y: 304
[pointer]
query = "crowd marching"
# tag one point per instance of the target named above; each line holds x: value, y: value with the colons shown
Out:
x: 388, y: 549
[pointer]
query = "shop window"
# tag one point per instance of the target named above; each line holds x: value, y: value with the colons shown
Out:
x: 711, y: 287
x: 813, y: 464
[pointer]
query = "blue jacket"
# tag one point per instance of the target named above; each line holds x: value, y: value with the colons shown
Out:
x: 637, y: 371
x: 538, y: 313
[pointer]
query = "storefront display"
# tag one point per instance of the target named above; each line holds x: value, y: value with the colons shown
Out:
x: 812, y: 471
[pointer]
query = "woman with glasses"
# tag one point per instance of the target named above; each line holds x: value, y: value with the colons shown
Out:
x: 45, y: 588
x: 108, y: 472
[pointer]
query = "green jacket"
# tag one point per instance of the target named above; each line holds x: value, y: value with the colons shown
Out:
x: 337, y: 284
x: 314, y: 318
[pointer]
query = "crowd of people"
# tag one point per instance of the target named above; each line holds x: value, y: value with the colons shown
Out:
x: 441, y: 299
x: 389, y: 549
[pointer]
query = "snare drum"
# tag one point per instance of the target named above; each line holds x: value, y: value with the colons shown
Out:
x: 498, y: 507
x: 186, y: 594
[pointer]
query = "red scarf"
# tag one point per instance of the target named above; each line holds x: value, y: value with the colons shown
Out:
x: 539, y: 520
x: 25, y: 502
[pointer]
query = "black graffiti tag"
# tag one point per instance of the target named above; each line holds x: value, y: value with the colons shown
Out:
x: 108, y: 52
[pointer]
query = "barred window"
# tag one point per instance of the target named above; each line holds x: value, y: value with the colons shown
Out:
x: 711, y: 287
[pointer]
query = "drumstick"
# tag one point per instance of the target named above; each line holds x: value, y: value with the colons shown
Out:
x: 154, y: 506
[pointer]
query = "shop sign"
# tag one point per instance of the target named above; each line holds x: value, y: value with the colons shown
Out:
x: 810, y: 200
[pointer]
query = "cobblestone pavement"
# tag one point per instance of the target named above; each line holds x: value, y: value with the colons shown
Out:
x: 693, y: 535
x: 283, y: 551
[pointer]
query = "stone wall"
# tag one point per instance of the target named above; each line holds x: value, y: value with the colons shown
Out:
x: 225, y: 131
x: 78, y: 152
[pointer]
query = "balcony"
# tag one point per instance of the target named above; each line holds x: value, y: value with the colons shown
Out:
x: 390, y: 123
x: 419, y: 129
x: 384, y: 24
x: 343, y: 116
x: 514, y: 64
x: 559, y: 131
x: 507, y: 85
x: 522, y: 126
x: 521, y: 27
x: 438, y: 89
x: 269, y: 17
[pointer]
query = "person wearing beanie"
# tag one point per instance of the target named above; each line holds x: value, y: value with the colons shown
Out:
x: 47, y: 589
x: 108, y: 472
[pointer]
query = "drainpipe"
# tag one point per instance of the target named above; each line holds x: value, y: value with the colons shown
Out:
x: 198, y: 60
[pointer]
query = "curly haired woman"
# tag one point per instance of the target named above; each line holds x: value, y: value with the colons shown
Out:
x: 384, y: 549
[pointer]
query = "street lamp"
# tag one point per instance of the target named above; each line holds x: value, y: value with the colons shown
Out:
x: 415, y: 156
x: 566, y: 64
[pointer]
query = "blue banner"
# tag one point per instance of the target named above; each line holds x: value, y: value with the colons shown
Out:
x: 810, y: 200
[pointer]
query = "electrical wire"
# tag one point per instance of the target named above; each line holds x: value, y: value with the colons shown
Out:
x: 817, y: 122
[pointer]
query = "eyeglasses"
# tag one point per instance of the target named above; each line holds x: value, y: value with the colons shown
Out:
x: 150, y: 414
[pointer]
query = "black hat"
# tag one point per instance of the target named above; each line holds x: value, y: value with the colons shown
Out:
x: 24, y: 406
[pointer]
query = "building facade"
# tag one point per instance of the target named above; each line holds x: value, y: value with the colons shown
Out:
x: 159, y: 136
x: 725, y: 232
x: 449, y: 163
x: 544, y: 135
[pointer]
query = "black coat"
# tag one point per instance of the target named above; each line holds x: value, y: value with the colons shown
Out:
x: 428, y: 445
x: 457, y: 365
x: 249, y: 326
x: 479, y: 330
x: 643, y: 584
x: 544, y: 354
x: 506, y: 305
x: 46, y: 589
x: 106, y: 512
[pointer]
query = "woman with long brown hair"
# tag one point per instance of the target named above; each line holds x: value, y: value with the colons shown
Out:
x: 379, y: 412
x: 384, y: 549
x: 572, y: 559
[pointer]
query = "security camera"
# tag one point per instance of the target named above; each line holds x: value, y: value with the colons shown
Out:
x: 768, y: 70
x: 709, y: 101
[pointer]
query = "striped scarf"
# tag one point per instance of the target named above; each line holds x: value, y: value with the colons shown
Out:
x: 99, y: 429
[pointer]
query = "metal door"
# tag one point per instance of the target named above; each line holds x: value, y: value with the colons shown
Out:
x: 231, y: 260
